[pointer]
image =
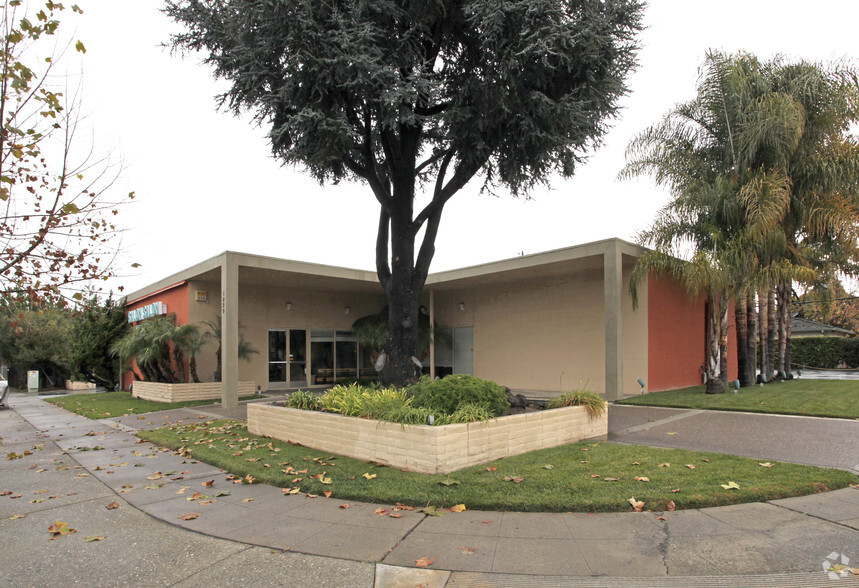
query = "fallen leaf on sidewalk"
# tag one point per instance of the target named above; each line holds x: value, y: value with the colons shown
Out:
x: 17, y: 516
x: 59, y: 529
x: 672, y: 433
x: 468, y: 550
x: 457, y: 508
x: 208, y: 484
x: 112, y: 505
x: 381, y: 511
x: 670, y: 506
x: 189, y: 516
x: 424, y: 562
x: 92, y: 538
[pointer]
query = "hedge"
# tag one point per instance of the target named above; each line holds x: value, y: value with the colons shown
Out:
x: 825, y: 352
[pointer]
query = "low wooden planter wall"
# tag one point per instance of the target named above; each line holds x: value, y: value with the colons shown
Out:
x: 184, y: 392
x: 422, y: 448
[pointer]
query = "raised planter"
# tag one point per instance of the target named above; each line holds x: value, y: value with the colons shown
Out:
x: 422, y: 448
x: 185, y: 392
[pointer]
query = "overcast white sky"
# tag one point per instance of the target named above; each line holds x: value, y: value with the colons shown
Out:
x: 205, y: 181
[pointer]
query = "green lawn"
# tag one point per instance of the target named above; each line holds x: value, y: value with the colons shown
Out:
x: 821, y: 398
x: 105, y: 405
x: 581, y: 477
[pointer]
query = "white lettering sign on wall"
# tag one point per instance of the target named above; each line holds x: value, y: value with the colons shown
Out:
x: 145, y: 312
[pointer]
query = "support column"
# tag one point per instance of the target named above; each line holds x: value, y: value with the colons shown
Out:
x: 229, y: 331
x: 613, y: 283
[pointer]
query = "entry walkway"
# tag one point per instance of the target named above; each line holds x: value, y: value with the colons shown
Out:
x: 76, y: 468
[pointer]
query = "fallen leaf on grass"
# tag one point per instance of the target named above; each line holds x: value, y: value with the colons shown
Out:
x: 513, y: 479
x: 60, y: 529
x: 706, y: 460
x: 675, y: 491
x: 112, y: 505
x: 92, y: 538
x: 457, y: 508
x: 664, y: 465
x: 369, y: 476
x: 548, y: 466
x: 670, y: 506
x: 611, y: 479
x: 730, y: 486
x: 491, y: 468
x: 424, y: 562
x: 766, y: 464
x: 189, y: 516
x: 637, y: 505
x: 690, y: 466
x: 641, y: 479
x: 448, y: 482
x: 595, y: 475
x: 327, y: 494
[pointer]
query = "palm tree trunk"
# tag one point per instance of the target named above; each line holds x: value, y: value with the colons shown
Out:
x: 179, y: 358
x: 788, y: 330
x: 192, y: 367
x: 741, y: 311
x: 723, y: 340
x: 752, y: 341
x: 771, y: 329
x: 762, y: 333
x: 714, y: 379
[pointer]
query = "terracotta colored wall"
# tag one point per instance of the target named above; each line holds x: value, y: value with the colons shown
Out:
x: 176, y: 299
x: 677, y: 337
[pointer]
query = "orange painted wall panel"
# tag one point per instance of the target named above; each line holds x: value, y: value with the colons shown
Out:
x: 677, y: 337
x: 176, y: 298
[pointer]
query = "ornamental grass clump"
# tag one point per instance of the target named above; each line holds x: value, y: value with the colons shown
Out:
x: 592, y: 401
x: 303, y: 400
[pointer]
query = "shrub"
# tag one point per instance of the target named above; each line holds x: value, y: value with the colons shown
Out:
x: 303, y: 400
x: 446, y: 395
x: 356, y: 400
x: 592, y: 401
x: 824, y: 352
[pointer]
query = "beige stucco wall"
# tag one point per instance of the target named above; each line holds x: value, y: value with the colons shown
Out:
x: 547, y: 334
x: 263, y: 308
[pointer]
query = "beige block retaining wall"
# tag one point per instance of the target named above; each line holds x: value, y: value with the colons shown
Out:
x: 159, y: 392
x: 70, y: 385
x: 422, y: 448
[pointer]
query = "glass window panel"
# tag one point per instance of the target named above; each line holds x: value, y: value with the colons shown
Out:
x: 277, y: 372
x: 322, y: 356
x: 277, y: 345
x: 297, y: 345
x: 347, y: 359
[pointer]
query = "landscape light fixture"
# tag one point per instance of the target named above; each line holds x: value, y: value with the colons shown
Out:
x: 736, y: 386
x: 462, y: 306
x: 641, y: 383
x: 289, y: 306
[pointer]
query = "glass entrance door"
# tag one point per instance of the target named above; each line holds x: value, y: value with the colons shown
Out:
x: 287, y: 358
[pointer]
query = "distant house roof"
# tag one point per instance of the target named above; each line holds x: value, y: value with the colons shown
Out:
x: 802, y: 326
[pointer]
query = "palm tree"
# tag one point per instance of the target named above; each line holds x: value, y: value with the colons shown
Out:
x: 759, y: 164
x: 245, y: 349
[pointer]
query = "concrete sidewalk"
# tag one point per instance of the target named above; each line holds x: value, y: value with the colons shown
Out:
x: 255, y: 535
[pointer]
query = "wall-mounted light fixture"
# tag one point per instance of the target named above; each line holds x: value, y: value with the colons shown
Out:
x: 348, y: 310
x: 462, y: 306
x: 289, y: 306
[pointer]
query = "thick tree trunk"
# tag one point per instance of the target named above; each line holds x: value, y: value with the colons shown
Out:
x: 748, y: 377
x: 741, y: 306
x: 788, y: 331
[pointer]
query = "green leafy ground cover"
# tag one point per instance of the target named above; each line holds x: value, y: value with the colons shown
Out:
x: 105, y: 405
x: 580, y: 477
x: 820, y: 398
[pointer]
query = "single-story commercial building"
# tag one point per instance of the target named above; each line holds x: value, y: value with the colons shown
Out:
x: 544, y: 322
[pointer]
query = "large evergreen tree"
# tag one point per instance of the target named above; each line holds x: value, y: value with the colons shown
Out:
x: 415, y: 98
